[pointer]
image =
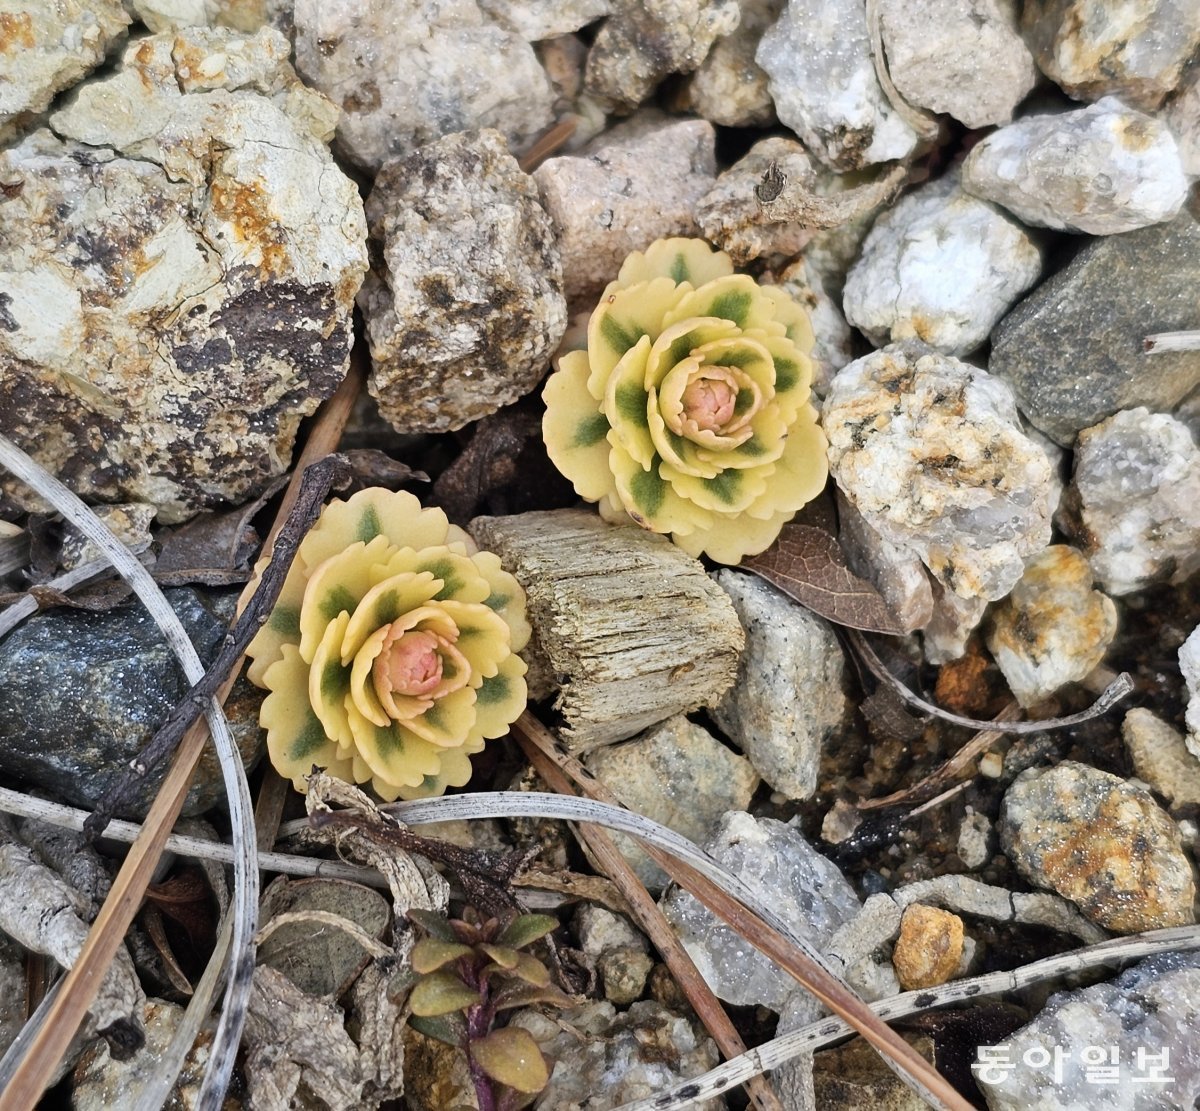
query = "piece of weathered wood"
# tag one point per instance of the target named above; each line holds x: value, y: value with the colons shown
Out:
x: 632, y: 628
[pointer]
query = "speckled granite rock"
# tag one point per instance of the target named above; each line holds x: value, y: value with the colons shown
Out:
x: 677, y: 774
x: 962, y: 57
x: 818, y: 59
x: 1053, y: 628
x: 805, y: 889
x: 45, y: 48
x: 730, y: 87
x: 1100, y: 842
x: 639, y: 44
x: 1072, y: 350
x: 85, y: 691
x: 787, y: 702
x: 942, y: 267
x: 467, y: 307
x: 1149, y: 1010
x: 930, y: 451
x: 407, y: 73
x: 177, y: 274
x: 1103, y: 169
x: 1134, y: 50
x: 1134, y: 500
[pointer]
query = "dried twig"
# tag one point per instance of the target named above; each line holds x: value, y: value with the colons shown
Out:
x: 547, y: 143
x: 924, y: 123
x: 28, y: 604
x: 1162, y: 342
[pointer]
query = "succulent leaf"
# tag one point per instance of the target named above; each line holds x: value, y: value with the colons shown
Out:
x: 512, y: 1057
x: 440, y: 993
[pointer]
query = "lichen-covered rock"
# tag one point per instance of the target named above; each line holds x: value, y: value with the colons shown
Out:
x: 1147, y: 1016
x: 677, y: 774
x: 1161, y: 759
x: 730, y: 88
x: 803, y: 887
x: 787, y: 703
x: 1103, y: 169
x: 1134, y: 500
x: 930, y: 451
x: 85, y: 691
x: 1073, y: 349
x: 467, y: 307
x: 1100, y: 842
x: 1134, y: 50
x: 177, y: 274
x: 941, y: 267
x: 45, y: 48
x: 929, y: 948
x: 641, y: 43
x: 962, y: 57
x: 407, y: 73
x: 818, y: 59
x: 635, y: 184
x: 1053, y: 628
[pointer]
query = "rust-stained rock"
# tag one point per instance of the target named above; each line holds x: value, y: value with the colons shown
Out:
x: 178, y: 265
x: 929, y: 948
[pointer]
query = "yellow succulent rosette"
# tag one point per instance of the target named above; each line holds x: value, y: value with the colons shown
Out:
x: 689, y: 410
x: 391, y: 654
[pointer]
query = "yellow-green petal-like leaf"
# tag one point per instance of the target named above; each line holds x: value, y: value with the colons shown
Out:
x: 574, y: 428
x: 440, y: 993
x: 431, y: 953
x: 525, y: 929
x: 621, y: 319
x: 329, y: 683
x: 512, y: 1057
x: 681, y: 260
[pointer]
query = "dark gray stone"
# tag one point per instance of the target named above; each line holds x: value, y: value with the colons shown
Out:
x: 83, y: 692
x: 1072, y: 350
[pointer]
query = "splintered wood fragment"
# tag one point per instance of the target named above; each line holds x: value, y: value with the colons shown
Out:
x: 631, y: 626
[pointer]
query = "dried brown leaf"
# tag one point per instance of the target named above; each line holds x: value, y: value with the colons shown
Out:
x: 807, y: 564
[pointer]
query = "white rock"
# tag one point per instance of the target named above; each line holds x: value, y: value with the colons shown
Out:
x: 818, y: 59
x: 633, y: 186
x: 45, y: 48
x: 1182, y: 116
x: 1053, y: 628
x: 953, y: 621
x: 407, y: 73
x: 1189, y: 665
x: 238, y: 15
x: 600, y: 930
x: 1134, y: 500
x: 941, y: 267
x: 730, y: 88
x: 804, y: 888
x: 974, y: 839
x: 787, y: 702
x: 536, y: 20
x: 1103, y: 170
x: 930, y: 451
x: 962, y: 57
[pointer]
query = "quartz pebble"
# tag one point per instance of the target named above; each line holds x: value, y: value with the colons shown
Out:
x: 240, y: 15
x: 677, y: 774
x: 1189, y: 666
x: 1134, y: 500
x: 1134, y: 50
x: 601, y: 931
x: 929, y: 948
x: 1161, y: 758
x: 730, y: 88
x: 1103, y: 169
x: 1100, y: 842
x: 806, y: 890
x: 974, y: 839
x: 962, y: 57
x: 638, y: 183
x: 1073, y: 349
x: 1145, y: 1016
x: 787, y: 703
x: 467, y: 306
x: 930, y: 451
x: 818, y: 59
x: 942, y: 267
x: 953, y: 620
x: 1053, y: 628
x: 536, y: 20
x: 407, y: 74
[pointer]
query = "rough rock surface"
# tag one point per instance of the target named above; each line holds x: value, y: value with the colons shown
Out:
x: 929, y: 450
x: 1149, y: 1010
x: 1189, y: 665
x: 805, y: 889
x: 730, y: 87
x: 677, y: 774
x: 1182, y: 116
x: 1134, y: 500
x: 929, y: 948
x: 85, y: 691
x: 1072, y: 350
x: 1161, y: 758
x: 240, y: 15
x: 787, y: 703
x: 407, y: 73
x: 1134, y: 50
x: 1053, y: 628
x: 953, y: 620
x: 962, y: 57
x: 177, y: 274
x: 468, y: 305
x: 128, y: 523
x: 942, y: 267
x: 818, y: 59
x: 1100, y: 842
x: 833, y: 346
x: 638, y: 183
x: 1103, y: 169
x: 45, y: 48
x: 537, y: 20
x: 640, y: 43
